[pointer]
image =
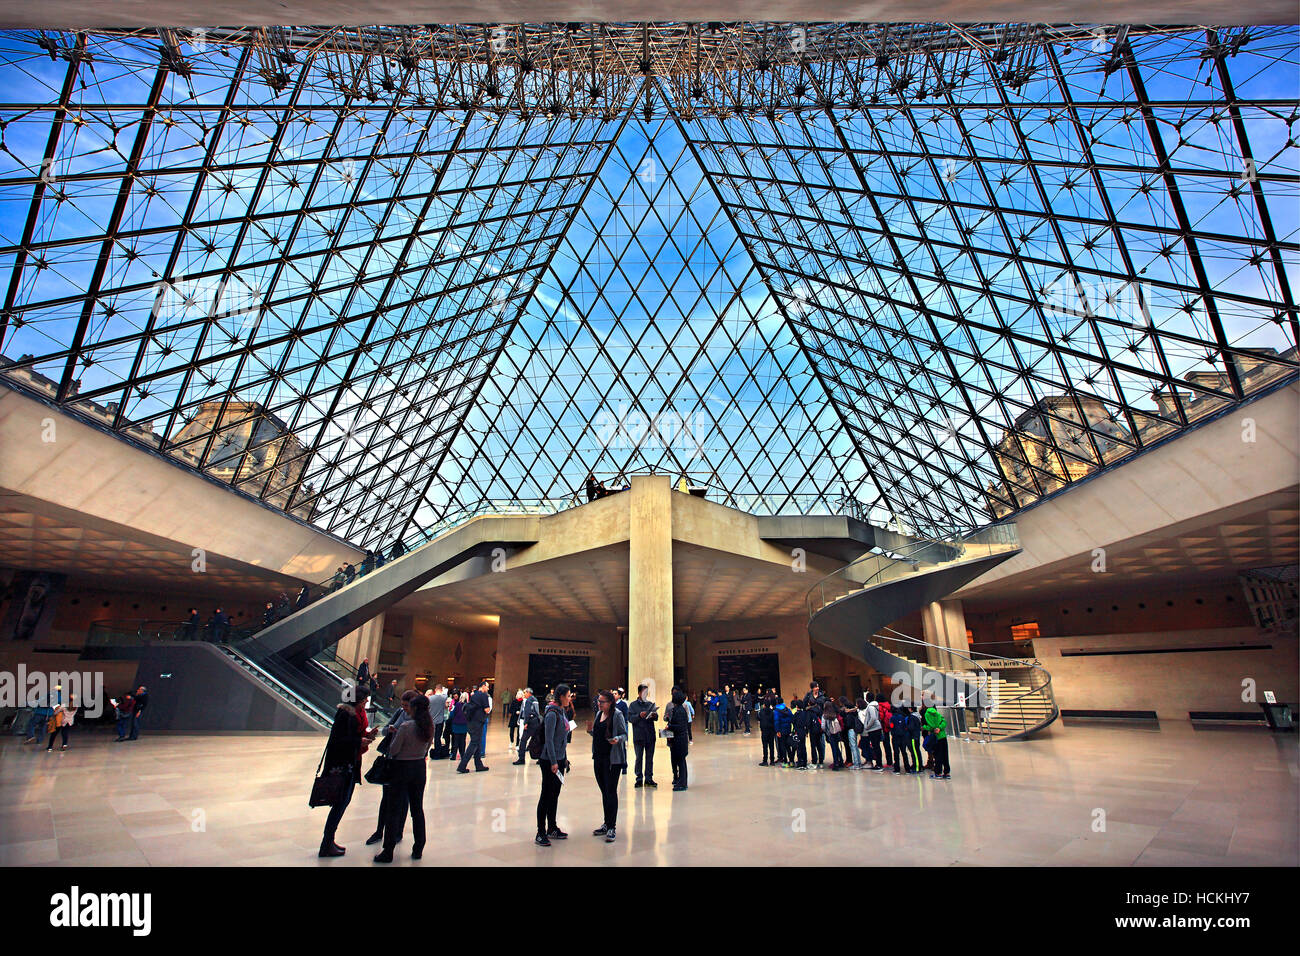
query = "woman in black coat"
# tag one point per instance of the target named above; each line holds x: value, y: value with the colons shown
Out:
x: 679, y: 723
x: 349, y: 738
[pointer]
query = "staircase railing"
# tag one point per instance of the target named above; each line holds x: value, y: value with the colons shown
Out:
x: 889, y: 563
x: 986, y: 702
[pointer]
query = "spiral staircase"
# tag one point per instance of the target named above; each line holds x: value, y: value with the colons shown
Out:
x: 850, y: 610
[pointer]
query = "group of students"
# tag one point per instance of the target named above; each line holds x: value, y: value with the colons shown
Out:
x: 728, y: 710
x: 866, y: 734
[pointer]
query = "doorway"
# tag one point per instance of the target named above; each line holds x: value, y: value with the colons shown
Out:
x: 545, y: 671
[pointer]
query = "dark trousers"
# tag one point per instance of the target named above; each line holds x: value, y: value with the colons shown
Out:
x: 902, y: 754
x: 336, y: 815
x: 724, y: 722
x: 514, y: 730
x: 940, y: 751
x: 446, y: 732
x: 405, y: 793
x: 873, y: 747
x: 769, y: 746
x: 889, y: 749
x: 836, y: 759
x: 818, y: 747
x: 135, y: 726
x: 473, y: 748
x: 607, y: 777
x: 457, y: 745
x: 799, y: 751
x: 64, y: 730
x: 677, y: 757
x: 525, y: 735
x: 744, y: 716
x: 549, y: 802
x: 645, y: 750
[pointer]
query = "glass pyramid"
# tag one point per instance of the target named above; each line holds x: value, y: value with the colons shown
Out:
x: 387, y: 280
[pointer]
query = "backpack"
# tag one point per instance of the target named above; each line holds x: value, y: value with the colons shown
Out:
x: 913, y: 723
x: 537, y: 742
x: 886, y: 716
x: 858, y: 726
x: 469, y: 709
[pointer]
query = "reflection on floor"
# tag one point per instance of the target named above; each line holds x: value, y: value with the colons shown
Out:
x: 1176, y: 796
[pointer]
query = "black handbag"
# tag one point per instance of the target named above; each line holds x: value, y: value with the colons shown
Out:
x: 327, y: 788
x: 381, y: 771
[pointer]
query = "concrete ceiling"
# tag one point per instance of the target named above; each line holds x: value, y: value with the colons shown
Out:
x: 36, y: 534
x: 123, y: 13
x: 1222, y: 545
x: 592, y: 587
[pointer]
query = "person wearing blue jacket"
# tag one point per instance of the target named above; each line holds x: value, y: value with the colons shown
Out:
x: 724, y: 713
x: 783, y: 723
x: 803, y: 724
x: 903, y: 760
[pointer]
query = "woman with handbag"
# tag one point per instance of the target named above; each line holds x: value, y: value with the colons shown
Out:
x: 407, y: 753
x: 609, y: 755
x: 340, y: 768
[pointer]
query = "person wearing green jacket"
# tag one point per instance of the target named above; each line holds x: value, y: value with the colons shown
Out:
x: 936, y: 726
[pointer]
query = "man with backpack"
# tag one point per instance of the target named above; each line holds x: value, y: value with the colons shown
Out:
x: 475, y: 713
x: 902, y: 756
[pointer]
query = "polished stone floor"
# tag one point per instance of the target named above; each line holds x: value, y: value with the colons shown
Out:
x: 1079, y: 796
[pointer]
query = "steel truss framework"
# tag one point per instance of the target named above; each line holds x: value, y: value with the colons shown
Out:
x: 929, y: 272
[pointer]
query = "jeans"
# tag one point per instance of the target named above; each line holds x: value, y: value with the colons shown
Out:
x: 834, y: 740
x: 817, y: 747
x: 852, y: 754
x: 123, y: 727
x: 549, y: 802
x: 482, y: 740
x: 724, y: 722
x: 135, y: 726
x: 645, y: 749
x: 406, y: 792
x: 607, y: 777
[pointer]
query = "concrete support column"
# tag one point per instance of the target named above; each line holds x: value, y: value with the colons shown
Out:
x: 650, y: 586
x: 944, y: 623
x: 364, y: 642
